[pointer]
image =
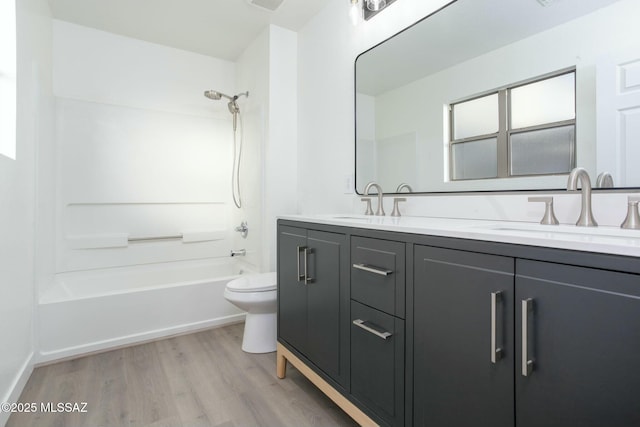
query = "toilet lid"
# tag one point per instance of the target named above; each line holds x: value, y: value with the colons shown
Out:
x: 254, y: 283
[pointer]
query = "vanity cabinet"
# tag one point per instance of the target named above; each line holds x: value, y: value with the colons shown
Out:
x: 313, y: 297
x: 463, y: 338
x: 415, y: 330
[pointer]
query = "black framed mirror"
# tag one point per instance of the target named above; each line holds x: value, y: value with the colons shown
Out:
x: 416, y: 122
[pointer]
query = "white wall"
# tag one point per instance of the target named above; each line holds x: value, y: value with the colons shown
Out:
x: 140, y: 152
x: 281, y: 152
x: 268, y: 69
x: 18, y: 214
x: 252, y: 74
x: 328, y: 46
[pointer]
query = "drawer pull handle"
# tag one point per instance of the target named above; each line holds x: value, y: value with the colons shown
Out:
x: 363, y: 324
x: 496, y: 352
x: 372, y: 269
x: 527, y: 364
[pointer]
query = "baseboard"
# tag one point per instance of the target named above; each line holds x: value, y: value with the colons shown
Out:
x: 48, y: 357
x: 16, y: 387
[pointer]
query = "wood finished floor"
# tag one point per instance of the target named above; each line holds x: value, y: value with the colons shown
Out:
x: 201, y: 379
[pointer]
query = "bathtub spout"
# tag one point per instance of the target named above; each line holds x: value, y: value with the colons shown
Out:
x: 240, y: 252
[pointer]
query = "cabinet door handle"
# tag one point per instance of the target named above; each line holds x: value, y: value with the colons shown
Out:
x: 496, y: 352
x: 306, y: 277
x: 527, y: 364
x: 300, y: 277
x: 363, y: 324
x: 372, y: 269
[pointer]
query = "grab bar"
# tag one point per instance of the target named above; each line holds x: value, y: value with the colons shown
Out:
x: 154, y: 238
x: 185, y: 236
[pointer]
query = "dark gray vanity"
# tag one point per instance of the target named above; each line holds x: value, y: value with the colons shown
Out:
x: 430, y: 330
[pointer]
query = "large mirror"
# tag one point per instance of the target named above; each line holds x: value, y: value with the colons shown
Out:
x: 503, y: 95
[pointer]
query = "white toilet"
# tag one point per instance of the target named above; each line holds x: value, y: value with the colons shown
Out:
x: 256, y: 294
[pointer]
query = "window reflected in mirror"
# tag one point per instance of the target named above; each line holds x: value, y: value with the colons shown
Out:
x: 519, y: 130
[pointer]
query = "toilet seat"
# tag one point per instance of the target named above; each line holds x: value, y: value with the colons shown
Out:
x: 254, y: 283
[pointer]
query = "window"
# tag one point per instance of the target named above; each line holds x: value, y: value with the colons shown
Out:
x: 521, y: 130
x: 8, y: 78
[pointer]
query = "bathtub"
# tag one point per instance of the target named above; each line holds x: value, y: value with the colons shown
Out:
x: 88, y: 311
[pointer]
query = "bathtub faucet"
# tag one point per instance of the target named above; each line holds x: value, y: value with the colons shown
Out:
x: 243, y: 229
x: 240, y: 252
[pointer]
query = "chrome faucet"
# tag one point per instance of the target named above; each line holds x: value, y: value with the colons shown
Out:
x: 243, y: 229
x: 402, y: 186
x: 605, y: 180
x: 632, y: 221
x: 586, y: 215
x: 380, y: 210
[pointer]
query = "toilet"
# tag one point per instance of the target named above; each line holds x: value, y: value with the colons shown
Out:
x: 256, y: 294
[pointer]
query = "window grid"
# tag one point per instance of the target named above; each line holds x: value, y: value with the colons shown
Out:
x: 505, y: 130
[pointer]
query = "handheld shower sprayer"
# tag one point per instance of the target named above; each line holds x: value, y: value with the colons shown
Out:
x: 234, y: 109
x: 232, y: 104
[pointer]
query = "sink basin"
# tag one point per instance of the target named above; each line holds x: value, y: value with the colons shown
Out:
x: 564, y: 231
x: 351, y: 218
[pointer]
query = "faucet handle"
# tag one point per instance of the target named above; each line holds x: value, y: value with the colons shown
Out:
x: 549, y: 217
x: 368, y: 211
x: 632, y: 221
x: 396, y: 211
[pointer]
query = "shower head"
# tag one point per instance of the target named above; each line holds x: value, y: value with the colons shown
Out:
x: 232, y: 105
x: 215, y: 95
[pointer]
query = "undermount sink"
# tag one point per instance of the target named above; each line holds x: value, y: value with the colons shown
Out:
x: 357, y: 218
x: 564, y: 231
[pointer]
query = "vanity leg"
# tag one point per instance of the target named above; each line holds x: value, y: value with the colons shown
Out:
x: 281, y: 362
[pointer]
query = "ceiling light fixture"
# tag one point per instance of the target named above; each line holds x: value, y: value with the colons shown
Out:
x: 371, y: 8
x: 366, y: 9
x: 355, y: 12
x: 376, y: 5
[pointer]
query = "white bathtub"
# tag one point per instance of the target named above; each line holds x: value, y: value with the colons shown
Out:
x: 83, y: 312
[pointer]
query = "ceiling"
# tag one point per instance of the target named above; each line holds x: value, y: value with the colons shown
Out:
x: 218, y: 28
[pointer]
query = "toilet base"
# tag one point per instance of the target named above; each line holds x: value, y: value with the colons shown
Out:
x: 260, y: 333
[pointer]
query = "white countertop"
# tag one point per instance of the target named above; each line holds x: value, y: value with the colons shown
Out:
x: 608, y: 240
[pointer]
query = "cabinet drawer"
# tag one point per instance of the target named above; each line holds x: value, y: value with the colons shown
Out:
x: 377, y: 362
x: 378, y: 274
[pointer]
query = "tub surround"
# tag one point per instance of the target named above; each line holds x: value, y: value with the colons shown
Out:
x: 606, y: 240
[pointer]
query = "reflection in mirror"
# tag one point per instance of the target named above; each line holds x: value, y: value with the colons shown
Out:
x: 503, y: 95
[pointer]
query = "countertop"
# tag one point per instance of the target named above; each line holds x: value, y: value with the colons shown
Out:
x: 607, y: 240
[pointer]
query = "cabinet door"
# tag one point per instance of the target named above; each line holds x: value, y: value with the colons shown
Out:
x: 377, y: 362
x: 292, y: 292
x: 328, y: 257
x: 456, y: 383
x: 583, y: 333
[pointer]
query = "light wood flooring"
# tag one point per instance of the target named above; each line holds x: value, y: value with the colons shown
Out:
x: 201, y: 379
